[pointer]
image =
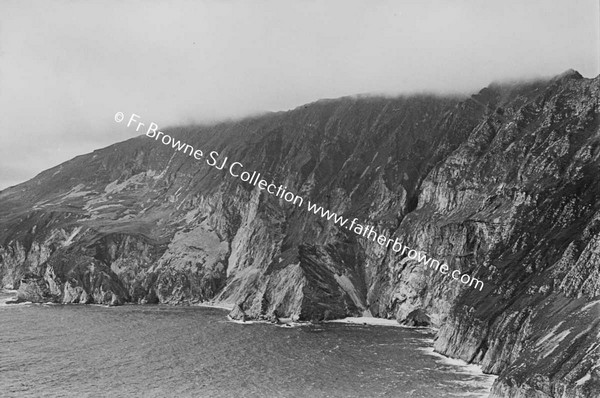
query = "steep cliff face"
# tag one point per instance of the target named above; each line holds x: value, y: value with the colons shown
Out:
x: 502, y: 186
x: 534, y: 233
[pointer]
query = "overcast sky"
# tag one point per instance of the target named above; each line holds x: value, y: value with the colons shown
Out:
x: 66, y: 67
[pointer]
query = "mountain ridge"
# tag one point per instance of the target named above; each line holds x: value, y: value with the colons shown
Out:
x: 501, y: 184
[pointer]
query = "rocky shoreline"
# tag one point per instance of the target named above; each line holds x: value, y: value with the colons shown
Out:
x: 502, y: 185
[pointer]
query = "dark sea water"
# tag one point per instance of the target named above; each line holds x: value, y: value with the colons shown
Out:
x: 163, y: 351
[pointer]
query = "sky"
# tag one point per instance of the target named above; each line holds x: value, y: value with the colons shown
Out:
x: 66, y: 67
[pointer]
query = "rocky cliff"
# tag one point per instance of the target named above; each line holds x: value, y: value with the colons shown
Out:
x: 502, y: 185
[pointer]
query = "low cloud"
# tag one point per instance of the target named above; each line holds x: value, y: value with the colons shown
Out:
x: 67, y: 67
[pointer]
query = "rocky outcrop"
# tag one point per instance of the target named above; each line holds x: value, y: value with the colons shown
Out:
x: 70, y: 278
x: 35, y: 289
x: 238, y: 314
x: 502, y: 186
x: 418, y: 318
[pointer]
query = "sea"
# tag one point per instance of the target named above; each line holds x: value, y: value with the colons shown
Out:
x: 50, y: 350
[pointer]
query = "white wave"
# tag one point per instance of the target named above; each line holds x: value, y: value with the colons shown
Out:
x: 211, y: 305
x: 243, y: 322
x: 483, y: 382
x: 5, y: 303
x: 365, y: 320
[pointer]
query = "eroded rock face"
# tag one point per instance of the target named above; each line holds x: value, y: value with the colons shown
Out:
x: 238, y: 314
x: 418, y: 318
x: 502, y: 186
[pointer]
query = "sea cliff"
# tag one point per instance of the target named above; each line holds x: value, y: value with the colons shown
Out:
x: 501, y: 185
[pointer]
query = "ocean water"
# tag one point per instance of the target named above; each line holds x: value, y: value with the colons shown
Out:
x: 163, y: 351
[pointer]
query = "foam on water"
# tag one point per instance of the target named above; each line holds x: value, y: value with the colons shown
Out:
x: 481, y: 380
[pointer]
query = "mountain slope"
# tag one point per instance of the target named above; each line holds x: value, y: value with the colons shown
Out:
x: 502, y: 186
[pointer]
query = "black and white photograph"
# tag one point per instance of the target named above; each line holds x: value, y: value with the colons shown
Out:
x: 300, y: 198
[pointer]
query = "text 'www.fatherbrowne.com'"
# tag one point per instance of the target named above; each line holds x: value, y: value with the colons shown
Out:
x: 236, y: 169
